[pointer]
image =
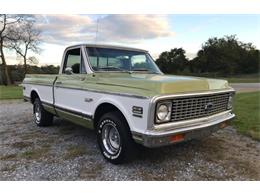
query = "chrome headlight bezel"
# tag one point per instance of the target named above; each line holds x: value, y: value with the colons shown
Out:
x: 163, y: 112
x: 230, y: 101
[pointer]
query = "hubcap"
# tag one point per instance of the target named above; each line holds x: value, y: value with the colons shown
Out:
x: 37, y: 112
x: 111, y: 138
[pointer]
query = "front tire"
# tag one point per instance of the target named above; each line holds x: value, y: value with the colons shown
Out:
x: 41, y: 116
x: 114, y: 138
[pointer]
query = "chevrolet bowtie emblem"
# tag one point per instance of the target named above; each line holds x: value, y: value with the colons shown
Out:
x: 208, y: 106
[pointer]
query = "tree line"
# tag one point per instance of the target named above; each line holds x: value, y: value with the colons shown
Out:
x: 224, y: 56
x: 18, y: 33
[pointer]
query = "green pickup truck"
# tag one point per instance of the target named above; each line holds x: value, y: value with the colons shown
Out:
x: 122, y: 94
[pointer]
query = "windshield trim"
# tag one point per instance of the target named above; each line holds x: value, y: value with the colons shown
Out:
x: 123, y: 71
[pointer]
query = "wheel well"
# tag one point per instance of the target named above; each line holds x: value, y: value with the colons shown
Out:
x: 34, y: 95
x: 103, y: 109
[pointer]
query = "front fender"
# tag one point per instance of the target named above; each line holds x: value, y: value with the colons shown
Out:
x: 118, y: 105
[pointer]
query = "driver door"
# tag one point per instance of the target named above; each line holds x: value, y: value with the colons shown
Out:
x: 68, y: 96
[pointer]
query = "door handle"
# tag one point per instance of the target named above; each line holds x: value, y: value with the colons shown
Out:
x: 58, y: 82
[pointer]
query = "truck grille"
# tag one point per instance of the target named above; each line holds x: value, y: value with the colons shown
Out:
x: 186, y: 108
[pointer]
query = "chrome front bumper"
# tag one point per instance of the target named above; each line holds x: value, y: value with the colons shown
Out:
x: 162, y: 135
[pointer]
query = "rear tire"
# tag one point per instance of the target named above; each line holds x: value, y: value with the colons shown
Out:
x: 114, y: 138
x: 41, y: 116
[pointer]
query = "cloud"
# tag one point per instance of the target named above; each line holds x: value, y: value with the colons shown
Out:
x: 133, y: 28
x: 72, y: 29
x: 61, y: 29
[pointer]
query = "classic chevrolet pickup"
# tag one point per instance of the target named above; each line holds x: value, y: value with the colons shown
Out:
x: 121, y: 93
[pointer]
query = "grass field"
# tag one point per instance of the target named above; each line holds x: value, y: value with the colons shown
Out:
x: 247, y: 110
x: 10, y: 92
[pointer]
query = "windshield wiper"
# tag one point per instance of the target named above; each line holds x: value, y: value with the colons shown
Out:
x: 112, y: 68
x: 143, y: 70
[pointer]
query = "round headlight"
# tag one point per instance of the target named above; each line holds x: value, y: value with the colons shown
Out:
x: 230, y: 102
x: 162, y: 112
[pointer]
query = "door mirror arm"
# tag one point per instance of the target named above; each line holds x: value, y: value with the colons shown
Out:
x: 68, y: 71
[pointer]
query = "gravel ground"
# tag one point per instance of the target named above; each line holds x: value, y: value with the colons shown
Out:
x: 65, y: 151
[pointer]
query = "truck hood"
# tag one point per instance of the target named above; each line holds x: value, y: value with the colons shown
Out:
x: 154, y: 84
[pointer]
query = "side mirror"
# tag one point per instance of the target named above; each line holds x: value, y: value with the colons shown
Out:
x: 68, y: 70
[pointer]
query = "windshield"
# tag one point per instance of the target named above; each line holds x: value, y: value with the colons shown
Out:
x: 107, y: 59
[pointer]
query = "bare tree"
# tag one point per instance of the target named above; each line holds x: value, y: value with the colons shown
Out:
x: 25, y: 37
x: 5, y: 22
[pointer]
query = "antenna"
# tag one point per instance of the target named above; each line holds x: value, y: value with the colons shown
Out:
x: 97, y: 30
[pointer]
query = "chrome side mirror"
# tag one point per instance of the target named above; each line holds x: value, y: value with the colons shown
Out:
x: 68, y: 70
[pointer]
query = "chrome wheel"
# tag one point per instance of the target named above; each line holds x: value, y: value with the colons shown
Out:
x: 111, y: 138
x: 37, y: 112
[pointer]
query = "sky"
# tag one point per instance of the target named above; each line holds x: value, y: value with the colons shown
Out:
x: 155, y: 33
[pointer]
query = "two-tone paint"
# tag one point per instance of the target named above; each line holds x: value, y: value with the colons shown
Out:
x: 76, y: 97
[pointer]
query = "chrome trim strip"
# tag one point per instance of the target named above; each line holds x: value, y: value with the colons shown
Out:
x: 115, y: 47
x: 105, y: 46
x: 157, y: 139
x: 47, y: 104
x: 42, y: 84
x: 154, y: 100
x: 189, y: 123
x: 105, y: 92
x: 76, y: 113
x: 59, y: 108
x: 26, y: 98
x: 95, y: 91
x: 53, y: 94
x: 86, y: 61
x: 121, y: 48
x: 187, y: 129
x: 64, y: 56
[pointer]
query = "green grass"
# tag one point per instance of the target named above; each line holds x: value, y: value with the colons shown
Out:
x: 75, y: 151
x: 243, y: 80
x: 11, y: 92
x: 36, y: 153
x: 247, y: 110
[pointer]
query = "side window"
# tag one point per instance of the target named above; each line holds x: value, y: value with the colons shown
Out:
x: 139, y: 62
x: 116, y: 62
x: 73, y: 60
x: 93, y: 62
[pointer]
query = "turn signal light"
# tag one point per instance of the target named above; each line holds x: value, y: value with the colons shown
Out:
x: 177, y: 138
x: 223, y: 125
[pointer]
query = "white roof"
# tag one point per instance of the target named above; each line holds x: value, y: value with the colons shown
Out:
x: 108, y: 46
